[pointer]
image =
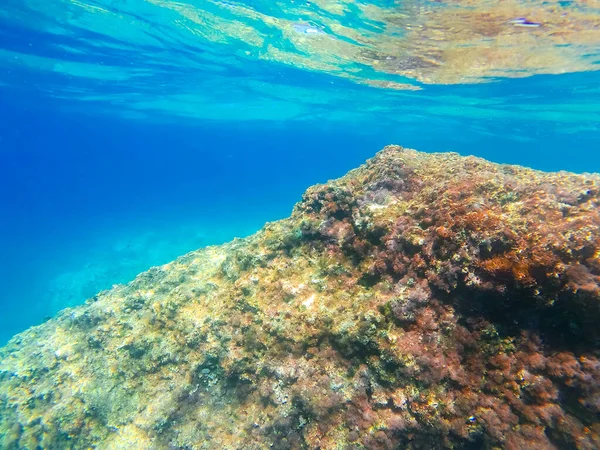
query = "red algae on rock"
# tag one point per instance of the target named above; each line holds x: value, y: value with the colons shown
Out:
x: 422, y: 301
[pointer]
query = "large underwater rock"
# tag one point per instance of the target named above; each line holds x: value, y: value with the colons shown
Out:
x: 422, y: 301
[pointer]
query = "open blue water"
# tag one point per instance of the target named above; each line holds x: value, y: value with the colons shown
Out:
x: 132, y: 132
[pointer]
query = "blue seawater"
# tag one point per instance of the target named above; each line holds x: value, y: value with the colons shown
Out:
x: 132, y: 132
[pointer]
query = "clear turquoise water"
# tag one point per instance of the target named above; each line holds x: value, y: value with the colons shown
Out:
x: 134, y: 131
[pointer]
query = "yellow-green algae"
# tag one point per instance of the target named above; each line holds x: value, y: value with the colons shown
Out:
x: 421, y: 301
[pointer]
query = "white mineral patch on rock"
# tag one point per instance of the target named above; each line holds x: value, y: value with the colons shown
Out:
x: 309, y: 301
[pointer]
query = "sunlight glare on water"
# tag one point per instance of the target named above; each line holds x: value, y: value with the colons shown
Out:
x: 202, y: 59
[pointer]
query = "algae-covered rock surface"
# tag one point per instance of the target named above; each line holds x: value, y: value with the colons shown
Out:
x: 422, y: 301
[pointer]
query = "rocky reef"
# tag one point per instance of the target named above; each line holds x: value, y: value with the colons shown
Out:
x: 422, y: 301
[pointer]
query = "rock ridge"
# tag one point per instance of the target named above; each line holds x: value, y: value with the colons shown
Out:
x: 422, y: 301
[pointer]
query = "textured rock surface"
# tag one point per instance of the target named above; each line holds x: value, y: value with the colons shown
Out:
x: 421, y: 301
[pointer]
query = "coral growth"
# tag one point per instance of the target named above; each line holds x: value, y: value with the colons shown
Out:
x: 421, y: 301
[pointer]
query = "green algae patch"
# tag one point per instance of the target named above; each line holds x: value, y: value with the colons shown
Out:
x: 421, y: 301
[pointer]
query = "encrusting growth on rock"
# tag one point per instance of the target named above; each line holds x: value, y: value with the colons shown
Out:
x: 423, y: 301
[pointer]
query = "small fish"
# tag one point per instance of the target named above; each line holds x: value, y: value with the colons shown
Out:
x: 227, y: 4
x: 304, y: 28
x: 523, y: 22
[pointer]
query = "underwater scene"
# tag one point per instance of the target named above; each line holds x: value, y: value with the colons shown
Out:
x: 323, y: 224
